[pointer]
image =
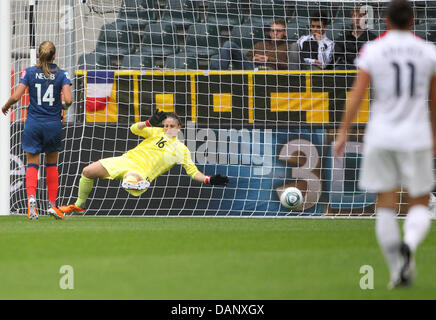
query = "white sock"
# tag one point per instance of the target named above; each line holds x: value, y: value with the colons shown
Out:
x: 389, y: 238
x: 416, y: 226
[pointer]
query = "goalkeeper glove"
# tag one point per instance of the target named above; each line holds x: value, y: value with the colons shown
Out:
x: 157, y: 118
x: 218, y: 180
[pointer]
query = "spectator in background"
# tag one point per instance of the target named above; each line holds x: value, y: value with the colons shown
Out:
x: 348, y: 47
x: 316, y: 50
x: 271, y: 53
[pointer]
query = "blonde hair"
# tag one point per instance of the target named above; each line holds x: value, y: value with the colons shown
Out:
x: 46, y: 52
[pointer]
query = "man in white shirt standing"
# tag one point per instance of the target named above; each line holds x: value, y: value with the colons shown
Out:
x: 316, y: 49
x: 398, y: 144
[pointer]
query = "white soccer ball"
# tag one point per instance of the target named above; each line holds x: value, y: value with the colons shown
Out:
x: 291, y: 198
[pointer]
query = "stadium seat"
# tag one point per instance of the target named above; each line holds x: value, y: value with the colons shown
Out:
x: 302, y: 24
x: 202, y: 40
x: 378, y: 28
x: 264, y: 15
x: 343, y: 23
x: 334, y: 34
x: 338, y: 27
x: 93, y: 61
x: 303, y: 11
x: 431, y: 9
x: 267, y: 2
x: 223, y: 13
x: 181, y: 61
x: 181, y: 12
x: 305, y: 8
x: 137, y: 62
x: 245, y: 36
x: 115, y: 39
x: 137, y: 13
x: 343, y: 11
x: 294, y: 62
x: 293, y: 32
x: 426, y: 31
x: 159, y: 39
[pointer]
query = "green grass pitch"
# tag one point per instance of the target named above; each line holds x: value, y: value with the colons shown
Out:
x: 200, y: 258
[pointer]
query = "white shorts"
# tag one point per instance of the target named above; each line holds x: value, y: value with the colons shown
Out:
x: 386, y: 170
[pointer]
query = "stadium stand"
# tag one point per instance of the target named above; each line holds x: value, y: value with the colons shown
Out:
x: 181, y: 61
x: 265, y: 14
x: 137, y: 13
x: 186, y: 34
x: 202, y: 40
x: 159, y: 40
x: 93, y: 60
x: 137, y: 62
x: 112, y: 35
x: 181, y: 12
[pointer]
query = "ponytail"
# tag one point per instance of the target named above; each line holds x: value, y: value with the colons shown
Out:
x: 46, y: 52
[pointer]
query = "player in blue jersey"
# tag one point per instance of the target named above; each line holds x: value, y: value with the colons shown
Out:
x: 43, y: 127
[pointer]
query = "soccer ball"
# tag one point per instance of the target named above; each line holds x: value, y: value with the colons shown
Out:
x: 291, y: 198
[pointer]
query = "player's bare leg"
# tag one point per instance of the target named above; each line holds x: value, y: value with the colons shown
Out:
x: 93, y: 171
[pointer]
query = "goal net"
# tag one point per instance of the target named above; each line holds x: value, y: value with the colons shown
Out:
x: 259, y: 98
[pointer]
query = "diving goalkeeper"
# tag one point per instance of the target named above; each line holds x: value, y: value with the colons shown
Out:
x: 138, y: 167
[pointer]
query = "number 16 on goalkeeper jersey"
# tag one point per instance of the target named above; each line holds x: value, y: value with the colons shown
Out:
x: 137, y: 168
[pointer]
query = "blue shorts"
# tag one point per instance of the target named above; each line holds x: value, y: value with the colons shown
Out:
x: 42, y: 137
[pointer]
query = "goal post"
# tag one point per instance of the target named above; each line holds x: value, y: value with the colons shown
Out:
x: 265, y: 127
x: 5, y: 85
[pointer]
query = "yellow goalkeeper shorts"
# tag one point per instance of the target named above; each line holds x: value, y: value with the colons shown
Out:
x: 117, y: 167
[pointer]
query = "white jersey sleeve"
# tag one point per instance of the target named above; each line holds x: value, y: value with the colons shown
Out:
x: 363, y: 60
x: 432, y: 57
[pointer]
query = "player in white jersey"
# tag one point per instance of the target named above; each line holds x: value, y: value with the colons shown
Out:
x: 398, y: 143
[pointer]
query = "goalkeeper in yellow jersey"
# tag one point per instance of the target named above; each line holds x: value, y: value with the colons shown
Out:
x: 138, y: 167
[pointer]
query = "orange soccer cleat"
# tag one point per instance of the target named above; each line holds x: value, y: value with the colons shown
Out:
x: 56, y: 213
x: 70, y: 209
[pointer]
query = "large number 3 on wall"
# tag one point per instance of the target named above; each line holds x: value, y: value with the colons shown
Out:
x: 305, y: 155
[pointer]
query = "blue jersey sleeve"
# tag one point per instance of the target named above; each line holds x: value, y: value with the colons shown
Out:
x: 25, y: 77
x: 66, y: 79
